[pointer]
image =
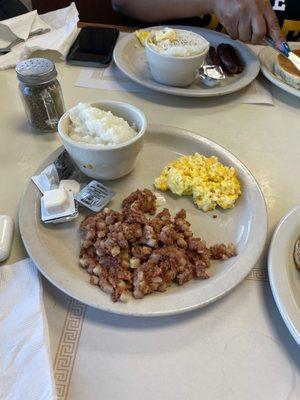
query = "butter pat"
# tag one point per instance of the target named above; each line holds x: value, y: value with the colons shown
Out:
x: 58, y: 205
x: 70, y: 185
x: 56, y: 200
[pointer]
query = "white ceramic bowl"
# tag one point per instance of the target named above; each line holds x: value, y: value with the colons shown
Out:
x: 109, y: 161
x: 173, y: 70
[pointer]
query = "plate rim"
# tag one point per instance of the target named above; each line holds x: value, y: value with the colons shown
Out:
x: 272, y: 77
x: 282, y: 296
x: 238, y: 278
x: 182, y: 92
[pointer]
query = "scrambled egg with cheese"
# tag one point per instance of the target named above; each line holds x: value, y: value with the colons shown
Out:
x: 142, y: 35
x: 158, y: 36
x: 210, y: 183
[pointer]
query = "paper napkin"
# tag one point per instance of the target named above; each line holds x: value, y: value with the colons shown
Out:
x: 25, y: 364
x: 63, y: 31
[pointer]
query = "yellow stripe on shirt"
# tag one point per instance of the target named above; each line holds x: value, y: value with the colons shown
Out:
x: 291, y: 26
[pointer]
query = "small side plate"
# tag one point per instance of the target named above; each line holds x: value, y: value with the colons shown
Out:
x: 268, y: 57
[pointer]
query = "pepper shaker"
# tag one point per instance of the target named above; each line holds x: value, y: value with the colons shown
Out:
x: 40, y: 93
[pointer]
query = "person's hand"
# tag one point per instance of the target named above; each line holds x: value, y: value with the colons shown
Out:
x: 248, y: 20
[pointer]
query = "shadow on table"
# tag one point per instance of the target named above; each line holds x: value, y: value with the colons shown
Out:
x: 228, y: 100
x: 125, y: 323
x: 280, y: 96
x: 188, y: 102
x: 144, y: 323
x: 122, y: 321
x: 182, y: 102
x: 284, y: 337
x: 22, y: 125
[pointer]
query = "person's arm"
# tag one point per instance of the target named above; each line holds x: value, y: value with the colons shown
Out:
x: 162, y: 10
x: 247, y: 20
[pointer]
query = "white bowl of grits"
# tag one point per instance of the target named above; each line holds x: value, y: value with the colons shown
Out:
x: 174, y: 55
x: 103, y: 138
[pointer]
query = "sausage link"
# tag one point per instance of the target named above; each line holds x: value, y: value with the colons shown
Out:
x: 228, y: 63
x: 214, y: 59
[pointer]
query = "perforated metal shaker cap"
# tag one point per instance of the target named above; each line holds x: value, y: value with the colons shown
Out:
x: 36, y: 71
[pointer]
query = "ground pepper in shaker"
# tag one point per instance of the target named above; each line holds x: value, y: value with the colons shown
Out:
x: 40, y: 93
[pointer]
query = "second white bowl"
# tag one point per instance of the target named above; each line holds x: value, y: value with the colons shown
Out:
x: 173, y: 70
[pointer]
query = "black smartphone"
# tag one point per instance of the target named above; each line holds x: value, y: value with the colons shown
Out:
x: 93, y: 47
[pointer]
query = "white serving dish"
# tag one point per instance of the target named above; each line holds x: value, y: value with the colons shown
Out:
x: 55, y: 249
x: 110, y: 161
x: 130, y: 57
x: 171, y: 70
x: 268, y: 57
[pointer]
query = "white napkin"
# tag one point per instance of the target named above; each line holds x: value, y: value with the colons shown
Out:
x: 25, y: 366
x: 20, y: 27
x: 63, y: 31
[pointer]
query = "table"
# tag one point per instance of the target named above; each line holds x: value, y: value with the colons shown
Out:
x: 97, y: 355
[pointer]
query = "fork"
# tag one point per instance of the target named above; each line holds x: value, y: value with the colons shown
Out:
x: 7, y: 49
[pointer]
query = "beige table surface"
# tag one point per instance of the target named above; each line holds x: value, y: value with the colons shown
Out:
x: 265, y: 138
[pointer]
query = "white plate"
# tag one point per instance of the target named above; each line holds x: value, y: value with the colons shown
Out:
x: 55, y: 248
x: 130, y: 57
x: 284, y: 277
x: 268, y: 57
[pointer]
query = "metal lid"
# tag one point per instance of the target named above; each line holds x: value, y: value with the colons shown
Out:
x: 36, y: 71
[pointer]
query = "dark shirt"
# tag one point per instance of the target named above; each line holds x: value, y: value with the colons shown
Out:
x: 287, y: 11
x: 11, y: 8
x: 288, y: 14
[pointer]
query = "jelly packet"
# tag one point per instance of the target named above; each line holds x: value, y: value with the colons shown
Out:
x: 95, y: 196
x: 62, y: 168
x: 65, y: 166
x: 47, y: 179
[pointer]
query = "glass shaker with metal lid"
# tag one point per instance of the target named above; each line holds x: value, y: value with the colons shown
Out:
x: 41, y: 93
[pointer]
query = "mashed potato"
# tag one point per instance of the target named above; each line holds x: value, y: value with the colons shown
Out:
x: 209, y: 182
x: 94, y: 126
